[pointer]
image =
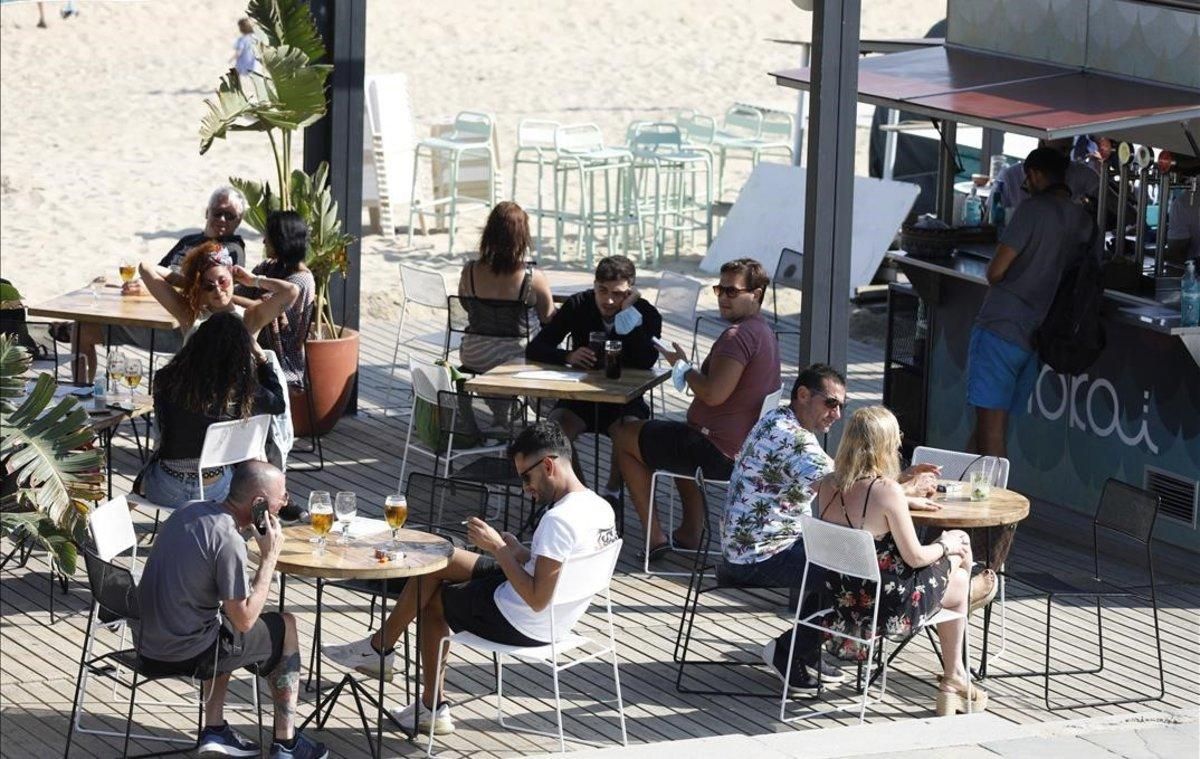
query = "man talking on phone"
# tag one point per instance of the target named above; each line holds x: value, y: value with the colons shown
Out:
x: 199, y: 603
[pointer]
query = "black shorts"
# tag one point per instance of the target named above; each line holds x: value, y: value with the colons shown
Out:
x: 680, y: 448
x: 609, y: 412
x: 471, y: 607
x: 258, y: 650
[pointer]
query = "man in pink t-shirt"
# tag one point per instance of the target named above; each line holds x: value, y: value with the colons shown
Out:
x: 729, y: 388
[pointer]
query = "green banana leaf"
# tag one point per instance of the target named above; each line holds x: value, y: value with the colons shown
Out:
x: 288, y: 22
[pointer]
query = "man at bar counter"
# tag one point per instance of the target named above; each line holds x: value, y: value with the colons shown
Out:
x: 728, y: 390
x: 1042, y: 238
x: 614, y: 307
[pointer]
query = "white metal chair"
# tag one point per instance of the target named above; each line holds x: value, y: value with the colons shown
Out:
x: 581, y: 578
x: 430, y: 383
x: 232, y: 443
x: 770, y: 403
x: 535, y: 147
x: 581, y: 152
x: 957, y: 465
x: 670, y: 198
x: 848, y: 552
x: 471, y: 137
x: 421, y: 288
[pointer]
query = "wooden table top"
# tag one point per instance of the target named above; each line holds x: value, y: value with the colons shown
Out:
x: 109, y: 307
x: 1002, y: 507
x: 594, y: 387
x: 423, y: 553
x: 118, y: 410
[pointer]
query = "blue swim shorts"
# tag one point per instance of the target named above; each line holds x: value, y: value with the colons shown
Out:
x: 1000, y: 374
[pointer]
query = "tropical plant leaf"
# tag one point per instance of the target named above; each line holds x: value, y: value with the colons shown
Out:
x: 259, y: 202
x: 288, y: 22
x: 14, y: 362
x: 60, y: 543
x: 295, y: 87
x: 230, y: 106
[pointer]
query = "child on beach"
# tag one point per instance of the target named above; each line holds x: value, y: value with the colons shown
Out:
x: 243, y: 56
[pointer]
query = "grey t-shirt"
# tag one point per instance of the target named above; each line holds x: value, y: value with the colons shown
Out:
x: 1047, y: 232
x: 198, y: 561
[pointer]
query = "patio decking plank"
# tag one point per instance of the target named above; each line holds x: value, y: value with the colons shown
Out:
x: 647, y: 608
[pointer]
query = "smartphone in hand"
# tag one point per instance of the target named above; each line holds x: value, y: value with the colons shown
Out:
x: 662, y: 345
x: 258, y: 516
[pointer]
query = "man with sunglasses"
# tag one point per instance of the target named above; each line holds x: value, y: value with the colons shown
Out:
x: 504, y: 593
x: 222, y: 216
x: 772, y: 486
x: 729, y: 388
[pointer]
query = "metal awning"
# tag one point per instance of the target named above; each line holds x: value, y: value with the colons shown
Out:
x: 1017, y: 95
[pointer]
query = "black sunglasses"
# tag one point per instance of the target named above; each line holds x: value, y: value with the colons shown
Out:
x: 525, y: 473
x: 224, y: 215
x: 830, y: 402
x: 730, y: 291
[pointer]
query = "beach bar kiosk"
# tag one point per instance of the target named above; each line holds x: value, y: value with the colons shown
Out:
x: 1125, y: 70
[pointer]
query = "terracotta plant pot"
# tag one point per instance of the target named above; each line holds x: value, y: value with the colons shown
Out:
x: 332, y: 368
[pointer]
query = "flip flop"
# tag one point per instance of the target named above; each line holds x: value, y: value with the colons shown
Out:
x: 660, y: 551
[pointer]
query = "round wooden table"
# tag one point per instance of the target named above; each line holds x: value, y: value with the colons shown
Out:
x: 1003, y: 507
x: 424, y: 553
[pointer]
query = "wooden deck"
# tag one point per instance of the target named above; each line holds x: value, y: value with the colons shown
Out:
x: 38, y: 659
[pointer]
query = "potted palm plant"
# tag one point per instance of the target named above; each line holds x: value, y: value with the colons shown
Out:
x: 49, y: 473
x: 287, y: 95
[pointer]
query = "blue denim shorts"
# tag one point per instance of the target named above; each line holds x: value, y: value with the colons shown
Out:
x: 1000, y: 374
x: 163, y: 489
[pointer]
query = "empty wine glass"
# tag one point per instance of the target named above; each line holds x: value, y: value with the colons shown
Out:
x: 345, y: 506
x: 116, y: 371
x: 320, y: 510
x: 97, y: 286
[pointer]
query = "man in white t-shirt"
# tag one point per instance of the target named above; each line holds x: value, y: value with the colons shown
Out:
x: 504, y: 594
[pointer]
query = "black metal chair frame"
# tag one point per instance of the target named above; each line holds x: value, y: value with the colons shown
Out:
x: 1058, y: 587
x: 691, y: 601
x: 101, y: 665
x: 459, y: 305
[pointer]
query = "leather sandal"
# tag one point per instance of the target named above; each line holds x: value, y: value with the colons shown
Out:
x: 983, y: 589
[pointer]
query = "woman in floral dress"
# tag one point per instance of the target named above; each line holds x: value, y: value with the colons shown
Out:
x: 917, y: 580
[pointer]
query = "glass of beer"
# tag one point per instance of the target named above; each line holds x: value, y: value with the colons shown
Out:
x: 395, y: 510
x: 320, y: 510
x: 133, y: 375
x: 612, y: 359
x: 596, y: 342
x: 128, y: 269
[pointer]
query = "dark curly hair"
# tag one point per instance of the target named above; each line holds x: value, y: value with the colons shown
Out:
x: 214, y: 372
x: 198, y: 260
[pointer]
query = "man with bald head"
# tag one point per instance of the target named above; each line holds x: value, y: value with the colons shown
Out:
x: 199, y: 604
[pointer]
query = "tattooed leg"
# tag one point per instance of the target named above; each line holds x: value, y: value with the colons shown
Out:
x: 284, y: 680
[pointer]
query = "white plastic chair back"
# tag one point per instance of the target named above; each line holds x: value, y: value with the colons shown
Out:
x: 578, y: 138
x: 235, y: 441
x: 676, y: 300
x: 778, y: 126
x: 771, y: 402
x: 840, y: 549
x: 423, y: 287
x: 472, y: 126
x: 428, y: 380
x: 536, y: 133
x: 584, y: 576
x: 696, y: 127
x: 111, y: 528
x: 743, y: 121
x: 957, y: 465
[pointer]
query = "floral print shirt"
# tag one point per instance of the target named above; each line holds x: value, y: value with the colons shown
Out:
x: 771, y: 488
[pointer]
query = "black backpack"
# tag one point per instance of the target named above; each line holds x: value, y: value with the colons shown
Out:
x: 1071, y: 337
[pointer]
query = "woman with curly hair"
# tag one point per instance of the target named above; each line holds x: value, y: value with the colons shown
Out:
x: 208, y: 275
x: 916, y: 580
x: 220, y: 374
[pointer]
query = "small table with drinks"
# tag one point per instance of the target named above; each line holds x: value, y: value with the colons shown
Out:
x: 602, y: 385
x: 365, y: 550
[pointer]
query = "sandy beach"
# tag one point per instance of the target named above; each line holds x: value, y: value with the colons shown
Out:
x: 100, y: 113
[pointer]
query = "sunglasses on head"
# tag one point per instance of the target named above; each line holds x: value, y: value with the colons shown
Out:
x: 525, y: 479
x: 831, y: 403
x: 729, y: 291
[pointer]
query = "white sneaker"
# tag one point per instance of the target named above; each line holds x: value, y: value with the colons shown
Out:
x: 360, y: 656
x: 442, y: 723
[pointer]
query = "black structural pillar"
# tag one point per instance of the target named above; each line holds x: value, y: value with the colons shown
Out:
x: 337, y: 138
x: 829, y: 192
